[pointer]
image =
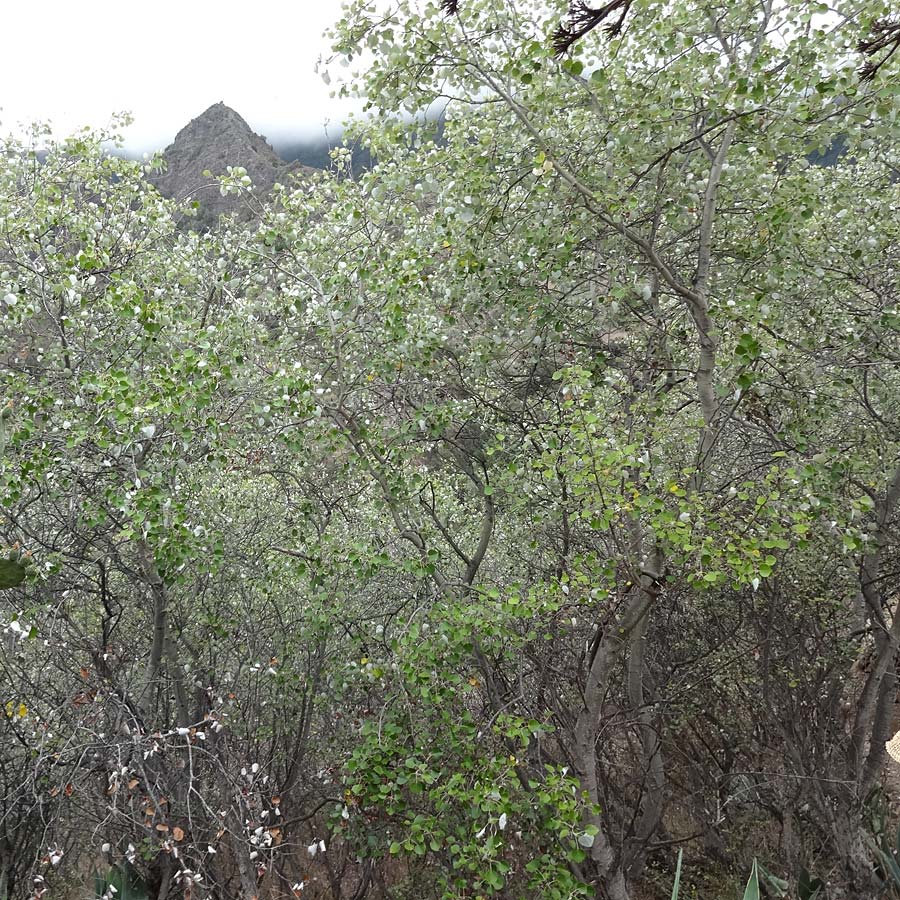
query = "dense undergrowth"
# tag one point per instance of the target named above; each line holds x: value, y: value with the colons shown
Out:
x: 502, y: 522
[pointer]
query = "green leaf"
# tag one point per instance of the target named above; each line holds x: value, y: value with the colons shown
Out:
x: 676, y: 886
x: 751, y: 892
x: 12, y: 572
x: 809, y: 888
x: 778, y: 886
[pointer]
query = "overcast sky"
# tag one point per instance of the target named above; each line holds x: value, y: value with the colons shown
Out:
x: 75, y: 62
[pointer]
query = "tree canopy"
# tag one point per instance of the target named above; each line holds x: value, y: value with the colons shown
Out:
x: 492, y: 524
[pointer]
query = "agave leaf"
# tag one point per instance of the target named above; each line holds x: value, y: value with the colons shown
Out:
x: 887, y: 861
x: 751, y: 892
x: 890, y: 865
x: 778, y: 886
x: 809, y: 888
x: 676, y: 887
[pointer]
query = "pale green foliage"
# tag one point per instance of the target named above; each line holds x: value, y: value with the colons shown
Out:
x: 500, y: 514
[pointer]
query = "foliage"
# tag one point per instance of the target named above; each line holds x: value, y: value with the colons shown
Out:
x: 481, y: 526
x: 120, y: 882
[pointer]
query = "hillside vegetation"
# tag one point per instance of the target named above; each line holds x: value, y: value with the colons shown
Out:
x: 497, y: 523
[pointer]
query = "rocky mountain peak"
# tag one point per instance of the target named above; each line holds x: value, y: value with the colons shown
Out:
x: 219, y: 137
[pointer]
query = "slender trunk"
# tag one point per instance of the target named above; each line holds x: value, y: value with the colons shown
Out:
x: 587, y: 726
x: 854, y: 854
x: 653, y: 768
x: 881, y: 730
x: 173, y: 668
x: 865, y: 753
x: 163, y: 863
x: 159, y: 610
x: 245, y: 867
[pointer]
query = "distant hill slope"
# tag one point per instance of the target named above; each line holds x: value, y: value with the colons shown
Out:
x: 216, y: 139
x: 315, y: 152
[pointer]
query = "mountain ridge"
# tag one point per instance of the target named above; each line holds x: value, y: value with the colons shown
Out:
x: 216, y: 139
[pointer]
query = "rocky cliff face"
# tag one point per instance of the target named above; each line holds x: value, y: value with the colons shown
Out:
x: 216, y: 139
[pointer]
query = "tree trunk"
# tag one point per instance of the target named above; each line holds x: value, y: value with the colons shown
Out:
x: 610, y: 875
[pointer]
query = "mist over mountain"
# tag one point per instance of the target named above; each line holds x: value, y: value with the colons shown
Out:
x: 220, y: 137
x: 216, y: 139
x: 315, y: 152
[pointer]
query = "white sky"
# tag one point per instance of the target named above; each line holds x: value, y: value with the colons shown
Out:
x: 76, y: 62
